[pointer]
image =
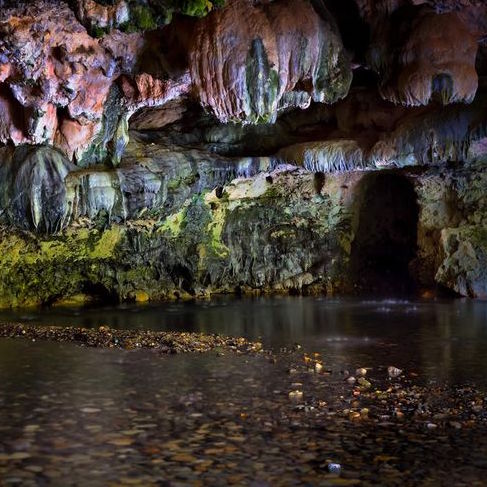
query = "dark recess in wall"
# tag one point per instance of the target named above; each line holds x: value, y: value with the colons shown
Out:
x: 354, y: 30
x: 386, y: 237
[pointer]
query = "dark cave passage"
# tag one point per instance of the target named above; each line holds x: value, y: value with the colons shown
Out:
x: 386, y: 237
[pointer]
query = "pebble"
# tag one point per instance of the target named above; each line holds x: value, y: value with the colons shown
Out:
x: 105, y: 337
x: 89, y: 410
x: 393, y: 372
x: 361, y: 372
x: 362, y: 382
x: 334, y: 468
x: 296, y: 395
x: 19, y: 456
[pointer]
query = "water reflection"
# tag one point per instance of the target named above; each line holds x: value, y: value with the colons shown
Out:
x: 438, y: 339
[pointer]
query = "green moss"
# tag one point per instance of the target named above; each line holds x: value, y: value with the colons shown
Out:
x: 215, y: 230
x: 143, y: 18
x: 98, y: 32
x: 150, y: 14
x: 174, y: 223
x: 196, y: 8
x: 106, y: 245
x: 261, y: 233
x: 272, y: 192
x: 174, y: 184
x: 478, y: 236
x: 38, y: 270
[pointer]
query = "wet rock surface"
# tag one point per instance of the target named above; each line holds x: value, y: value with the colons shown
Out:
x: 157, y: 228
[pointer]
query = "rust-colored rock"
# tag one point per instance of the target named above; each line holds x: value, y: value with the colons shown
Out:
x: 54, y: 77
x: 143, y: 90
x: 436, y: 61
x: 159, y: 117
x: 247, y: 62
x: 95, y: 14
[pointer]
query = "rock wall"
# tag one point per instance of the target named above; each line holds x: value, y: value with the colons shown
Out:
x: 282, y: 231
x: 161, y: 150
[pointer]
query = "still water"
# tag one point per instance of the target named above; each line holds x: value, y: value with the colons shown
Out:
x: 75, y: 416
x: 445, y: 339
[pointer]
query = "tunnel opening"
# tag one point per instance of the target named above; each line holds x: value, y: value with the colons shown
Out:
x: 386, y: 236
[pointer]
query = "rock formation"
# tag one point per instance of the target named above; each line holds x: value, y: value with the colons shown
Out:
x: 424, y: 56
x: 178, y: 149
x: 269, y: 63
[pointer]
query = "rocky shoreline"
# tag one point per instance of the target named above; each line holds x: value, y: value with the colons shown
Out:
x: 105, y: 337
x: 377, y: 394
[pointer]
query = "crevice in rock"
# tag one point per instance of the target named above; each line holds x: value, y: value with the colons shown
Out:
x: 354, y: 30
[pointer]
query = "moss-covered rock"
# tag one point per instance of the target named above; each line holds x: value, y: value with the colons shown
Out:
x: 101, y: 16
x: 280, y: 230
x: 254, y: 235
x: 464, y: 266
x: 452, y: 236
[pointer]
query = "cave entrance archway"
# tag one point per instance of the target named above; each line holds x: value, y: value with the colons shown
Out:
x: 386, y: 235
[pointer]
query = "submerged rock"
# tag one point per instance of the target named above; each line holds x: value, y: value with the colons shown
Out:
x: 393, y: 372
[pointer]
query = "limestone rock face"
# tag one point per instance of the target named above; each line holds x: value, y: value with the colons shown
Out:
x: 137, y: 15
x: 33, y: 190
x: 329, y: 156
x: 55, y: 78
x: 452, y: 233
x: 257, y: 235
x: 44, y: 192
x: 235, y: 151
x: 248, y: 62
x: 145, y: 91
x: 463, y: 268
x: 423, y: 56
x: 434, y: 136
x: 99, y: 15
